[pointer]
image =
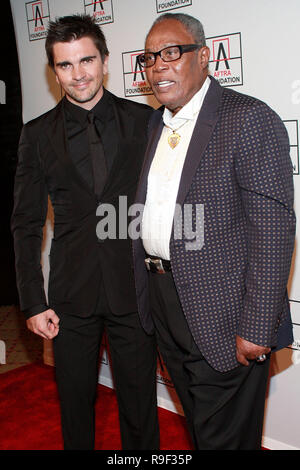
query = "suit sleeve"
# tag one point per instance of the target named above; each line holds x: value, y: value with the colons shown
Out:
x: 28, y: 218
x: 265, y: 177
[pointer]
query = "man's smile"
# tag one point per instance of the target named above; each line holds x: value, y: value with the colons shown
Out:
x: 162, y: 84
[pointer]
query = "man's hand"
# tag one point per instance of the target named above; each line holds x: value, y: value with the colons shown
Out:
x: 45, y: 324
x: 246, y: 351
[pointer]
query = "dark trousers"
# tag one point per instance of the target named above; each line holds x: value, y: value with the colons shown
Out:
x: 133, y: 355
x: 224, y: 411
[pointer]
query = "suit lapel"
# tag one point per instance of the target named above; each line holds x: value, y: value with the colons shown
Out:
x: 58, y: 139
x: 155, y: 129
x: 57, y: 135
x: 124, y: 128
x: 203, y: 130
x: 204, y: 127
x: 124, y: 119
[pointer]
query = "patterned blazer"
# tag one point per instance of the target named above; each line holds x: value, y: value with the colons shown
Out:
x: 239, y: 169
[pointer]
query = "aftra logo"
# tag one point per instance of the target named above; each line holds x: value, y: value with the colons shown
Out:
x: 101, y: 10
x: 166, y: 5
x: 226, y: 59
x: 292, y: 128
x: 37, y: 19
x: 135, y: 81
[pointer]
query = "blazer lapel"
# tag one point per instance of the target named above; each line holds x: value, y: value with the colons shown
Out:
x: 124, y: 119
x: 125, y: 127
x: 204, y: 127
x: 58, y: 139
x: 57, y: 135
x: 155, y: 129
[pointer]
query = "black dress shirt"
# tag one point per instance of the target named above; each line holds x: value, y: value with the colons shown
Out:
x: 76, y: 129
x: 76, y: 124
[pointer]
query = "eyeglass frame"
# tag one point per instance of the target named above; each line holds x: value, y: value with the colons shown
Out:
x: 182, y: 49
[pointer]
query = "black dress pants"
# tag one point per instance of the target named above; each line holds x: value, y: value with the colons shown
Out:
x: 224, y: 411
x: 133, y: 354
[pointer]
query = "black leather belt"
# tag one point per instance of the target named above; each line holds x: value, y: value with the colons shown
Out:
x: 157, y: 265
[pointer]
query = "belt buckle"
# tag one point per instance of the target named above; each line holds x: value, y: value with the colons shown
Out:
x: 157, y: 264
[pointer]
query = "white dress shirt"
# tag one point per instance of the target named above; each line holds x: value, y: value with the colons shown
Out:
x: 165, y: 174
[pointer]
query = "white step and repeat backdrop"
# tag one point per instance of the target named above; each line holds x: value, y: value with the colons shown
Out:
x: 254, y: 48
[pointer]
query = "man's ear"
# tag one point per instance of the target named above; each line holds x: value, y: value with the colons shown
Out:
x: 105, y: 65
x: 204, y: 54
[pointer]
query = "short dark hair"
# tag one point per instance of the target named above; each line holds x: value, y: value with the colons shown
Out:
x: 69, y: 28
x: 191, y: 24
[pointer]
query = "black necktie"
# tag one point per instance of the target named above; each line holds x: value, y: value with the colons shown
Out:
x: 97, y: 155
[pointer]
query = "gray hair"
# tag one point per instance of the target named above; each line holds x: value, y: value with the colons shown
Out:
x: 191, y: 24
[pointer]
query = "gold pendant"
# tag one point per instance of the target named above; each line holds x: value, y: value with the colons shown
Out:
x: 173, y: 139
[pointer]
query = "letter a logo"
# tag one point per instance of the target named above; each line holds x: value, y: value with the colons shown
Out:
x: 38, y: 15
x: 101, y: 5
x: 138, y: 69
x: 221, y: 56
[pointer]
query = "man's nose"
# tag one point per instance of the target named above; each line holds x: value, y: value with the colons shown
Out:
x: 160, y: 64
x: 78, y: 72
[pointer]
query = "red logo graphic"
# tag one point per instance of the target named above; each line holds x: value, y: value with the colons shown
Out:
x: 135, y: 81
x: 226, y: 59
x: 101, y: 10
x: 37, y: 19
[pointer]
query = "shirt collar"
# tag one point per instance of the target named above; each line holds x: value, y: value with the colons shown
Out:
x: 100, y: 108
x: 188, y: 111
x: 79, y: 114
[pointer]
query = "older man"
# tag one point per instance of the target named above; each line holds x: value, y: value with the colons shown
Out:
x: 217, y: 237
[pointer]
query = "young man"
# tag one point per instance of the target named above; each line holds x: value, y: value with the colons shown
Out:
x: 217, y: 237
x: 85, y: 152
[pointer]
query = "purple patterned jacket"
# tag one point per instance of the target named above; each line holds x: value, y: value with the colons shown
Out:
x: 238, y: 167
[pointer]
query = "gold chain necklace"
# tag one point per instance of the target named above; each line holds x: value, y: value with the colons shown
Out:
x: 174, y: 138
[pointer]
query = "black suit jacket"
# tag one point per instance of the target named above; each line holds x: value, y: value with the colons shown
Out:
x: 238, y: 168
x: 78, y: 260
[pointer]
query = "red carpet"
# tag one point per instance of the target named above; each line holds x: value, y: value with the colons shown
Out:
x: 30, y: 417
